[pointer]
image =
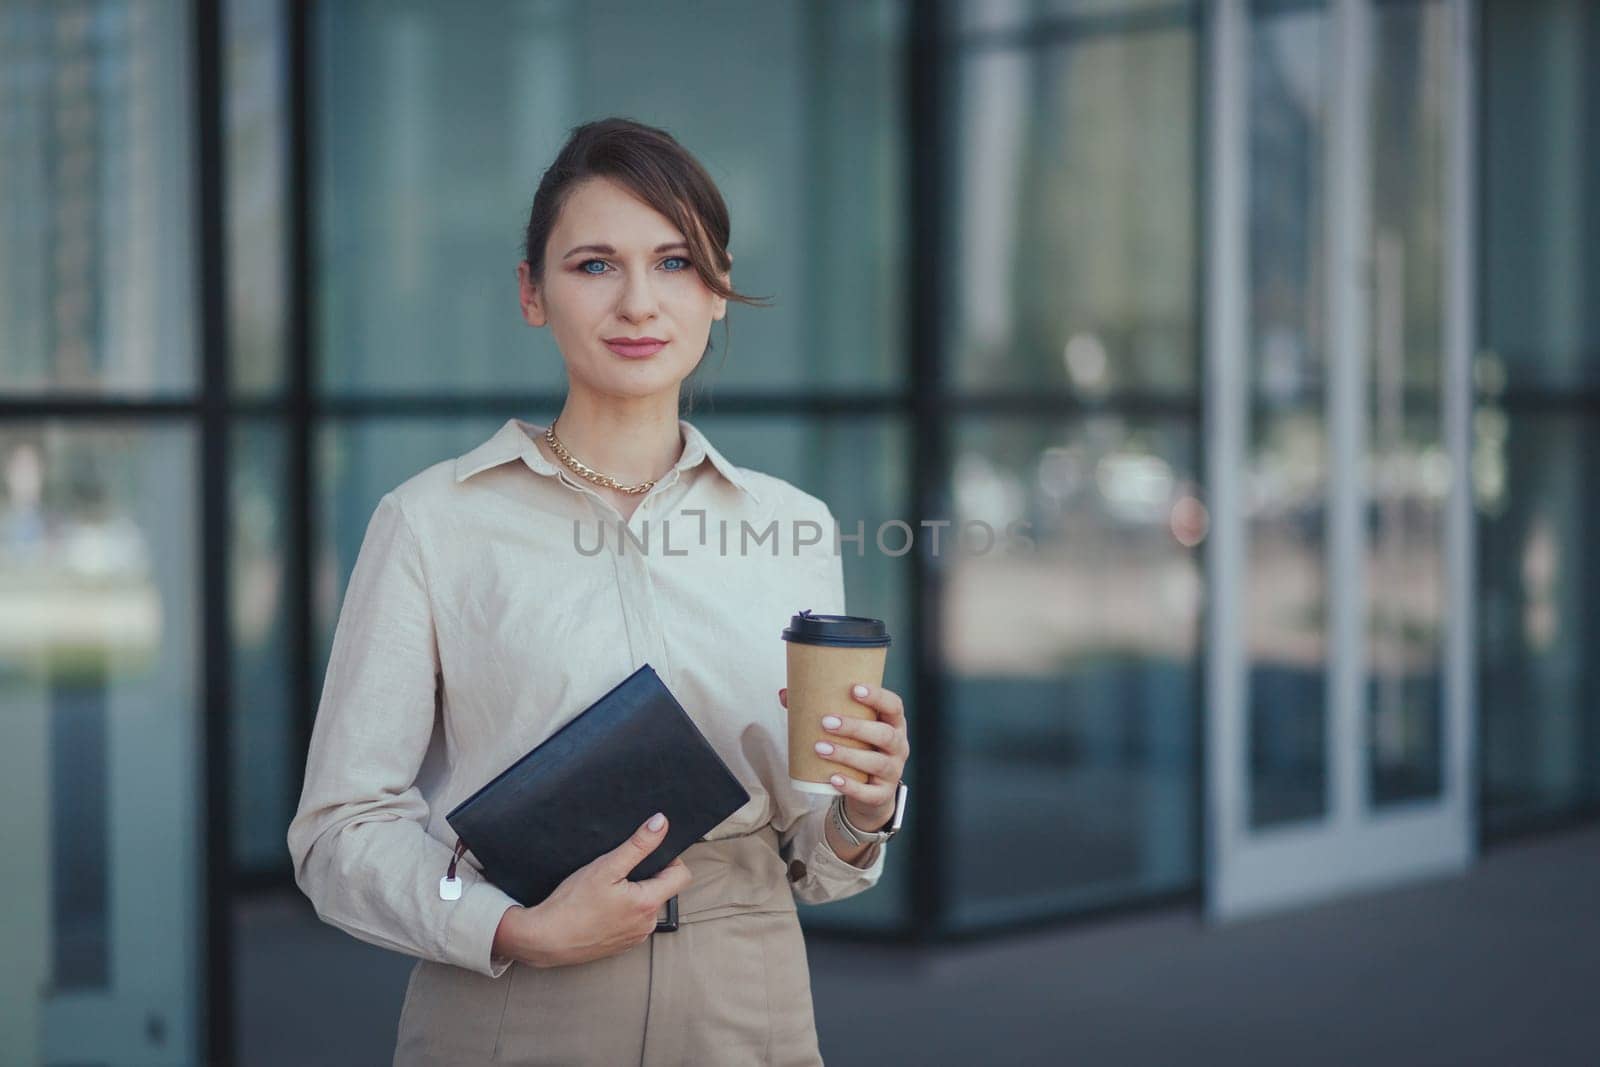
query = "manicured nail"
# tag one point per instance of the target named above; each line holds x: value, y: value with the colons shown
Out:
x: 861, y: 691
x: 824, y: 748
x: 837, y: 779
x: 831, y: 721
x: 656, y: 820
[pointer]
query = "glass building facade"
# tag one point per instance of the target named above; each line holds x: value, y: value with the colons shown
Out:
x: 1275, y: 322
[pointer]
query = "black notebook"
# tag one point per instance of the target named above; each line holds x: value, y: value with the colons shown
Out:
x: 586, y: 788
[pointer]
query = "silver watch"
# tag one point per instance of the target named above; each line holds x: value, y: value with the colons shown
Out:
x: 858, y: 837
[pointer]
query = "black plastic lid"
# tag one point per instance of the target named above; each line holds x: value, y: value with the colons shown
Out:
x: 845, y: 631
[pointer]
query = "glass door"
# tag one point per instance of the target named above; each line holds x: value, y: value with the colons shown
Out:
x: 1337, y: 358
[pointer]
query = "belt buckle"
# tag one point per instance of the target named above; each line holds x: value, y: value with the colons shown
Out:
x: 670, y: 923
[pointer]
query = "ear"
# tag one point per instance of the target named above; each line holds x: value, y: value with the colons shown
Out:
x: 529, y: 296
x: 719, y: 304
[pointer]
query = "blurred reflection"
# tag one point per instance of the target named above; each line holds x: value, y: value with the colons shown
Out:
x: 1538, y: 146
x: 1286, y: 480
x: 97, y: 736
x: 1536, y: 435
x: 1489, y: 427
x: 437, y: 120
x: 1087, y: 364
x: 1075, y: 213
x: 257, y: 191
x: 1409, y: 474
x: 1015, y: 14
x: 94, y: 164
x: 265, y: 730
x: 1072, y: 665
x: 1541, y: 585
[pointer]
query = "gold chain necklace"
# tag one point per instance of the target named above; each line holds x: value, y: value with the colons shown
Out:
x: 586, y: 471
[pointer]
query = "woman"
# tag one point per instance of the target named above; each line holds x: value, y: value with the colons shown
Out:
x: 483, y: 613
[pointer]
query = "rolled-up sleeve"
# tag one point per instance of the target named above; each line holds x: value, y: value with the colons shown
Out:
x: 826, y: 876
x: 359, y: 839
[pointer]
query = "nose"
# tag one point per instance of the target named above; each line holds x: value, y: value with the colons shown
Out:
x: 638, y: 300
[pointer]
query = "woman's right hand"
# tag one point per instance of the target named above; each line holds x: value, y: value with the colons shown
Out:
x: 596, y: 911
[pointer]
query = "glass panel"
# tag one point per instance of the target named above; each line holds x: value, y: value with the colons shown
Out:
x: 97, y: 681
x: 857, y: 466
x: 258, y: 197
x: 436, y: 123
x: 1534, y: 468
x: 95, y: 126
x: 1073, y: 663
x: 1286, y: 483
x: 1409, y: 471
x: 1541, y: 152
x: 1539, y: 612
x: 1016, y: 14
x: 1075, y: 204
x: 265, y: 734
x: 857, y: 274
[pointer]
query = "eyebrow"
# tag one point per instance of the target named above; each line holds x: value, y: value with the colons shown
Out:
x: 607, y: 250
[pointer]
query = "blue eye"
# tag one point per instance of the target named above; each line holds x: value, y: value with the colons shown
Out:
x: 584, y: 266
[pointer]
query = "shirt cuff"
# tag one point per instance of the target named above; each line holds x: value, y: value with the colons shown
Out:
x: 470, y: 928
x: 838, y: 865
x: 828, y: 877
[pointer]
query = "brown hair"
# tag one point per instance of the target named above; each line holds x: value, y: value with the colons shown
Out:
x: 651, y: 164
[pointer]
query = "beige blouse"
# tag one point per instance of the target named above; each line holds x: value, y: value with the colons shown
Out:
x: 496, y: 596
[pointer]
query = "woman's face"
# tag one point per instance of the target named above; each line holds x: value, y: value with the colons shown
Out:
x: 615, y: 269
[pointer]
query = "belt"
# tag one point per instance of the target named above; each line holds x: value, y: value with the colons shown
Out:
x: 744, y: 873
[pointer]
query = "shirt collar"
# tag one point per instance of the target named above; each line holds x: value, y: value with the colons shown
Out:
x: 515, y: 440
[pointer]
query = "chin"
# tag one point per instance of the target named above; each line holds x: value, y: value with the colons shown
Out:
x: 640, y: 384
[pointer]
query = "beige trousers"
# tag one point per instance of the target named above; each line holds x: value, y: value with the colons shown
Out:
x: 730, y: 986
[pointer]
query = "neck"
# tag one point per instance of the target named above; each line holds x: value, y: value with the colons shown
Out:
x: 633, y: 440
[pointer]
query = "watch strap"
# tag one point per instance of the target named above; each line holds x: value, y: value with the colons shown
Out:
x: 857, y: 836
x: 847, y: 829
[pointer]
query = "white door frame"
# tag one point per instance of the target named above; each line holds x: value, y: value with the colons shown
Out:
x: 1354, y: 846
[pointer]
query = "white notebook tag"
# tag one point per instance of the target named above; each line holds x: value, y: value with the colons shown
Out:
x: 450, y: 885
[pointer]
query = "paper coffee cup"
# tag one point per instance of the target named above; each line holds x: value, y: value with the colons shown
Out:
x: 827, y: 655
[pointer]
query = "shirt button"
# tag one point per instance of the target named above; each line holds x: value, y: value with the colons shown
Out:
x: 797, y: 871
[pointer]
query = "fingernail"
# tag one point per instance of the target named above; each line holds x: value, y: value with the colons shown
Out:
x: 837, y: 779
x: 861, y: 690
x: 831, y: 721
x: 656, y: 820
x: 824, y: 748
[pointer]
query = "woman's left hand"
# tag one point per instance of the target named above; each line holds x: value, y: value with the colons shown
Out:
x: 868, y: 804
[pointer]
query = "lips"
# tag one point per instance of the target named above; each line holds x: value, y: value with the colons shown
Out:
x: 636, y: 347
